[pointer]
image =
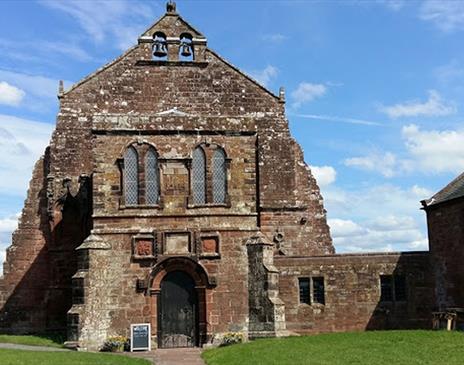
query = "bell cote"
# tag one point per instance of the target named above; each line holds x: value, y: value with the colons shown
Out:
x: 172, y: 39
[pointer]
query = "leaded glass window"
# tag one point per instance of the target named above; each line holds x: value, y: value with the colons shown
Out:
x: 151, y: 177
x: 131, y: 179
x: 219, y: 176
x: 318, y: 290
x: 303, y: 286
x: 199, y: 176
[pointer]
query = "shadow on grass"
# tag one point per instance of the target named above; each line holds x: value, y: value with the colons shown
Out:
x: 48, y: 339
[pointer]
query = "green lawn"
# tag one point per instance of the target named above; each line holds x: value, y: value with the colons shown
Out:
x: 17, y: 357
x: 34, y: 340
x: 373, y: 348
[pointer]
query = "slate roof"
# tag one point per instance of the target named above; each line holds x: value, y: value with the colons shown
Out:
x: 454, y: 190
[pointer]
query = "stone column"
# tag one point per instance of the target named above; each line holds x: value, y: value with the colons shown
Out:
x: 89, y: 317
x: 266, y: 309
x: 154, y: 297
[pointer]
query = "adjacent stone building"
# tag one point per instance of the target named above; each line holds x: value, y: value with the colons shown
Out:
x: 445, y: 222
x: 172, y: 193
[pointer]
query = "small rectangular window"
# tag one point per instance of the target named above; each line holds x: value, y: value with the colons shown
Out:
x: 400, y: 288
x: 386, y: 289
x: 318, y: 290
x: 303, y: 284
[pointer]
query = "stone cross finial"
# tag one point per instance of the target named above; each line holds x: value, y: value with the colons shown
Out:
x: 61, y: 87
x: 282, y: 94
x: 171, y: 6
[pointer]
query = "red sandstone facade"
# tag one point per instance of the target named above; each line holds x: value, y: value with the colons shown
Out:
x: 86, y: 258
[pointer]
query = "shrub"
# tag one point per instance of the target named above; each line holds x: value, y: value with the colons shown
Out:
x: 115, y: 344
x: 232, y: 338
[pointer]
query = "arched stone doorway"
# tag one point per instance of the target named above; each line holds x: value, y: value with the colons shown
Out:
x: 188, y: 280
x: 177, y: 312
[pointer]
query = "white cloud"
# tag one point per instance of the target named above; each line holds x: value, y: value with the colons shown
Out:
x: 384, y: 233
x: 420, y: 192
x: 433, y: 107
x: 427, y: 152
x: 7, y: 226
x: 121, y: 21
x: 392, y: 223
x: 274, y: 38
x: 448, y: 16
x: 331, y: 118
x: 450, y: 72
x: 435, y: 151
x: 10, y: 95
x: 2, y: 258
x: 42, y: 51
x: 306, y: 92
x: 21, y: 143
x: 345, y: 228
x: 41, y: 91
x: 385, y: 163
x: 265, y: 76
x: 376, y: 218
x: 394, y: 5
x: 324, y: 175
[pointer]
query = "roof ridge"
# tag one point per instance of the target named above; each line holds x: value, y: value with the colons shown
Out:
x: 453, y: 190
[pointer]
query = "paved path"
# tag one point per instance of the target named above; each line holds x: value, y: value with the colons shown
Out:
x: 14, y: 346
x: 181, y: 356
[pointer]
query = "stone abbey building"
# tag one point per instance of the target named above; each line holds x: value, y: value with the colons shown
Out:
x: 172, y: 193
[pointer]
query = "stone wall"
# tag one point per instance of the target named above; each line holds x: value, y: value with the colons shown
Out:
x: 445, y: 223
x: 352, y: 292
x: 26, y: 273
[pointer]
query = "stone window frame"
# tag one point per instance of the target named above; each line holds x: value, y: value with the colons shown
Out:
x: 393, y: 279
x: 208, y: 234
x: 162, y: 243
x: 144, y: 237
x: 141, y: 147
x: 310, y: 279
x: 208, y: 150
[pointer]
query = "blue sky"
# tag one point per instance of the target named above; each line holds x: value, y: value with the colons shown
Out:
x: 374, y: 93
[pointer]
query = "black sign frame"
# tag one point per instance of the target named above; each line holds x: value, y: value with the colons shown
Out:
x: 135, y: 341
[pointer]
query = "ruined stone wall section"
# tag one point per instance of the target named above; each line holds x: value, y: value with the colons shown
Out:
x: 352, y: 292
x: 26, y: 275
x: 290, y: 199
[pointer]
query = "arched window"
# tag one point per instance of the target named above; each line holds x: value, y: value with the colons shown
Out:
x: 152, y: 185
x: 131, y: 177
x: 199, y: 176
x: 218, y: 166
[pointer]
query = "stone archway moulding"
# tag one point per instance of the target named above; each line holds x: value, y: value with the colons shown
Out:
x: 203, y: 282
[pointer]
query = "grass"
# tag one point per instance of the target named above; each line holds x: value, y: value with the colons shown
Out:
x: 48, y: 340
x: 17, y: 357
x: 373, y: 348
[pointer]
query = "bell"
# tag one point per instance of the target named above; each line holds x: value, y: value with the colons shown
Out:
x: 160, y: 50
x: 186, y: 50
